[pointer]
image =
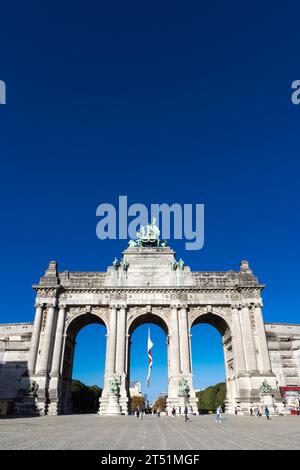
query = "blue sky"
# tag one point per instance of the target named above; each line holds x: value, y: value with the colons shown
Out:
x: 164, y: 102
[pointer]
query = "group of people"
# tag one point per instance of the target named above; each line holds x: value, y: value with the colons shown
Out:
x: 140, y: 412
x: 258, y: 413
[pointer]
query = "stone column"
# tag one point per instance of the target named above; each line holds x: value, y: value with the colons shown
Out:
x: 248, y: 339
x: 238, y: 346
x: 121, y: 341
x: 184, y: 342
x: 57, y: 354
x: 47, y: 341
x: 111, y: 362
x: 35, y: 339
x: 262, y: 341
x: 174, y: 344
x: 63, y: 355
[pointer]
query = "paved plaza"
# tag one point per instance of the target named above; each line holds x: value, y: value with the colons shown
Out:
x: 165, y: 433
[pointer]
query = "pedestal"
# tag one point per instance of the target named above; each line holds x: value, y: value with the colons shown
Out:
x: 267, y: 400
x: 113, y: 407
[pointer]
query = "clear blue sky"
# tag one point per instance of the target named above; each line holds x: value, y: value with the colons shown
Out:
x: 163, y: 102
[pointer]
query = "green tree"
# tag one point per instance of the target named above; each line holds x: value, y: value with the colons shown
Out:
x: 85, y: 399
x: 212, y: 397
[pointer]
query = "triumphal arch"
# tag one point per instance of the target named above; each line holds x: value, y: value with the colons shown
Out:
x: 148, y: 284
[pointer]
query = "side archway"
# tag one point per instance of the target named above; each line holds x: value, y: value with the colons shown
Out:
x: 73, y: 326
x: 220, y: 321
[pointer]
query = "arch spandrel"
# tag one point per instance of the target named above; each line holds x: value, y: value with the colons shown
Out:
x: 139, y: 315
x: 79, y: 317
x: 220, y: 317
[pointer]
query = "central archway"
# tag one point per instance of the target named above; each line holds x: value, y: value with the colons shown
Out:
x: 137, y: 330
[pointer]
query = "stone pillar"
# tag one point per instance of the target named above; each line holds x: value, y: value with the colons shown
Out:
x: 238, y: 346
x: 248, y: 340
x: 184, y: 342
x: 174, y: 343
x: 262, y: 341
x: 111, y: 362
x: 35, y: 339
x: 57, y: 354
x: 44, y: 366
x: 121, y: 341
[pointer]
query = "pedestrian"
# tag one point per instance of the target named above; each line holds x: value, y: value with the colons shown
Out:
x: 141, y: 413
x: 174, y: 412
x: 137, y: 413
x: 251, y: 412
x: 158, y: 412
x: 219, y: 415
x: 180, y: 410
x: 186, y: 418
x: 267, y: 412
x: 235, y: 411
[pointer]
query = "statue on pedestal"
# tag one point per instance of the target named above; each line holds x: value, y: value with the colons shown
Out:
x: 265, y: 388
x: 31, y: 390
x: 184, y: 388
x: 114, y: 387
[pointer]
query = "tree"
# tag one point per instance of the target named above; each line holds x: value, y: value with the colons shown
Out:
x: 137, y: 401
x: 161, y: 403
x: 212, y: 397
x: 85, y: 399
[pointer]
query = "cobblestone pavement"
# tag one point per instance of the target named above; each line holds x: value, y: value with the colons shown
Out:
x: 165, y: 433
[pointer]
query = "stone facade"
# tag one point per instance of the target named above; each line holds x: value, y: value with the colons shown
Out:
x: 148, y: 285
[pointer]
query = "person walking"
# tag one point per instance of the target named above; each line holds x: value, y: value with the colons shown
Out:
x: 267, y: 412
x: 137, y: 413
x: 174, y: 412
x: 158, y: 412
x: 235, y: 411
x: 219, y: 415
x: 186, y: 418
x: 141, y: 413
x: 251, y: 412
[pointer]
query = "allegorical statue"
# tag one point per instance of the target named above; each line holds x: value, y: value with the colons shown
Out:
x: 173, y: 265
x: 265, y: 388
x: 114, y: 386
x: 32, y: 389
x: 181, y: 264
x: 116, y: 264
x: 148, y: 236
x: 183, y: 388
x: 125, y: 265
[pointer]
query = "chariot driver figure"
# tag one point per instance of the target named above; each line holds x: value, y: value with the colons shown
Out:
x: 150, y: 234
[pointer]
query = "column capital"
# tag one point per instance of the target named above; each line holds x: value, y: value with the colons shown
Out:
x: 38, y: 304
x: 182, y: 305
x: 62, y: 305
x: 51, y: 304
x: 118, y: 305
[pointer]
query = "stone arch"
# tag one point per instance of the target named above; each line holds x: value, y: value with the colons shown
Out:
x: 81, y: 319
x: 219, y: 318
x: 139, y: 316
x: 148, y: 317
x: 77, y: 319
x: 214, y: 316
